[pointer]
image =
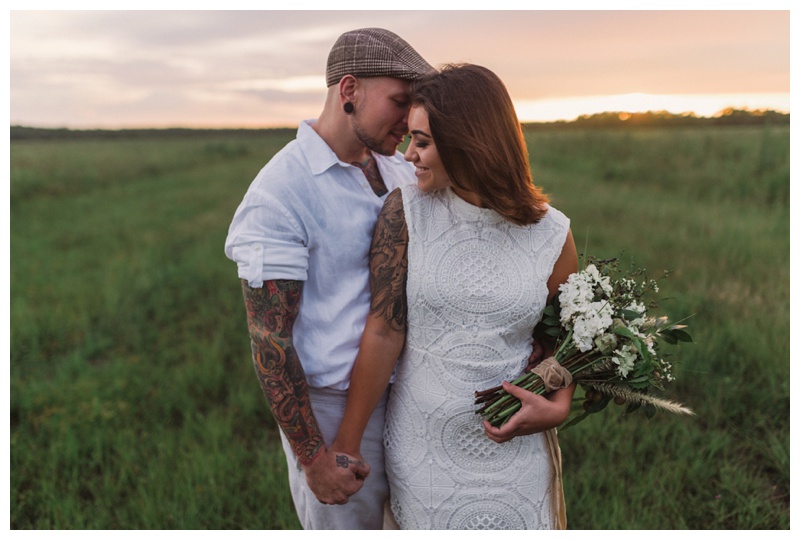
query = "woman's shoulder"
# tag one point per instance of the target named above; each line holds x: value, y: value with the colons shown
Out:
x: 412, y: 195
x: 555, y: 216
x: 409, y: 190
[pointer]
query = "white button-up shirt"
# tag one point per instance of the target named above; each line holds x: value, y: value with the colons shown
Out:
x: 309, y: 217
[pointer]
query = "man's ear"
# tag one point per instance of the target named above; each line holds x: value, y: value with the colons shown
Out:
x: 347, y: 89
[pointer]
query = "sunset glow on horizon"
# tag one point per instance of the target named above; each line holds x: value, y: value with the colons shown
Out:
x: 551, y: 110
x: 218, y: 69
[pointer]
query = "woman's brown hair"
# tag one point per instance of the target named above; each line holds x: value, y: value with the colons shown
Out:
x: 480, y: 141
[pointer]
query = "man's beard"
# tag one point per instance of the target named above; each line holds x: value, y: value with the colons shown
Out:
x: 376, y: 145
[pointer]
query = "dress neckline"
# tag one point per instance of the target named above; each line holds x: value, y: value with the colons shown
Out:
x: 469, y: 210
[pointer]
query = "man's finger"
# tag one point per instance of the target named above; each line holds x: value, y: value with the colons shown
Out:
x: 359, y: 468
x: 344, y: 461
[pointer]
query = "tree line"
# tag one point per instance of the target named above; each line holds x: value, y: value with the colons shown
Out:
x: 726, y: 117
x: 619, y: 119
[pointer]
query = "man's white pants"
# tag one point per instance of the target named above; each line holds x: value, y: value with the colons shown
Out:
x: 365, y: 508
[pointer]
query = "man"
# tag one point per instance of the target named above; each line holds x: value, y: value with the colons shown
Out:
x: 301, y: 239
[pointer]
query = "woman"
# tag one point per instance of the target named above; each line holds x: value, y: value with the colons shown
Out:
x: 461, y: 267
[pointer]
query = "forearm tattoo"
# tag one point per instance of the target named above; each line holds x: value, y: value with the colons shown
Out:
x: 388, y: 268
x: 271, y: 312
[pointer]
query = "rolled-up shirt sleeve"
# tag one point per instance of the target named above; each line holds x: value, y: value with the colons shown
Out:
x: 266, y: 241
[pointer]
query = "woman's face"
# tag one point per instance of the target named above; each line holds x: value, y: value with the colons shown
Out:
x: 422, y: 152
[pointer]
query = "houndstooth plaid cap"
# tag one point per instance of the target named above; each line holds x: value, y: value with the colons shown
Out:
x: 374, y: 52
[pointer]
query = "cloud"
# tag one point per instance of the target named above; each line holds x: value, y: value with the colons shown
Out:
x: 92, y: 65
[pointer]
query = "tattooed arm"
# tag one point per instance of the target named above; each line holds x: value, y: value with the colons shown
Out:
x: 385, y: 330
x: 271, y: 312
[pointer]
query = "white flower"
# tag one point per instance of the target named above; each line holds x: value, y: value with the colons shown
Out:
x: 637, y: 307
x: 593, y: 322
x: 625, y: 360
x: 576, y: 293
x: 579, y: 293
x: 650, y: 342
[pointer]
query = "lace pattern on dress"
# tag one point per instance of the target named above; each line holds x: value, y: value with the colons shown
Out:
x: 477, y: 286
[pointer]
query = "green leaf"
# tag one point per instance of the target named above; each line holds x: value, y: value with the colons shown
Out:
x: 630, y: 315
x: 549, y: 311
x: 574, y: 421
x: 667, y: 336
x: 640, y: 346
x: 649, y: 410
x: 553, y: 331
x: 551, y: 321
x: 594, y: 408
x: 638, y: 383
x: 556, y: 306
x: 599, y: 405
x: 623, y: 331
x: 632, y: 407
x: 681, y: 335
x: 645, y: 370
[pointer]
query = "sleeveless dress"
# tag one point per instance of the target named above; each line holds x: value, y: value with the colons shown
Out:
x: 477, y: 285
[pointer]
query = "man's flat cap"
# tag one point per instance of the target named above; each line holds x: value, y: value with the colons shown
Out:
x: 374, y: 52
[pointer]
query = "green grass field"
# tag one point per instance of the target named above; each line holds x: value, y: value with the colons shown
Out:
x: 133, y: 399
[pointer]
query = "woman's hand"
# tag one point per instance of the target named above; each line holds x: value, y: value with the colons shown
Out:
x: 537, y: 414
x: 536, y: 357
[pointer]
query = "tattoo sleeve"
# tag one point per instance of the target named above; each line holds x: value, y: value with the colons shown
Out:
x: 271, y: 312
x: 389, y: 263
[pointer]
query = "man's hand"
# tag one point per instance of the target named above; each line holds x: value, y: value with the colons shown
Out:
x: 537, y: 414
x: 334, y: 477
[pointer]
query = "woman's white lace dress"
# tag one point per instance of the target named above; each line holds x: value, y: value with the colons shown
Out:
x: 477, y: 285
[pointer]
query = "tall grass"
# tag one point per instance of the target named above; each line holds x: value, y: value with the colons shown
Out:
x: 134, y: 404
x: 712, y: 206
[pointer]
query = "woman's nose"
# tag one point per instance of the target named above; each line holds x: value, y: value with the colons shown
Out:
x: 409, y: 155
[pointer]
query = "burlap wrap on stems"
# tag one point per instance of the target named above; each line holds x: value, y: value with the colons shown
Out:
x: 553, y: 374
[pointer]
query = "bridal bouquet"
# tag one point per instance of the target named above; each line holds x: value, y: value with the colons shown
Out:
x: 605, y: 340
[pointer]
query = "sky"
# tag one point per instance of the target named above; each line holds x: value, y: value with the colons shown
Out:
x: 159, y: 68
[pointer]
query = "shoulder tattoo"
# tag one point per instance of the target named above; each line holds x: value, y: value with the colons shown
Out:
x: 388, y: 267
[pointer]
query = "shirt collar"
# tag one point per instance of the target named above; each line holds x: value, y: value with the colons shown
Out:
x: 319, y: 155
